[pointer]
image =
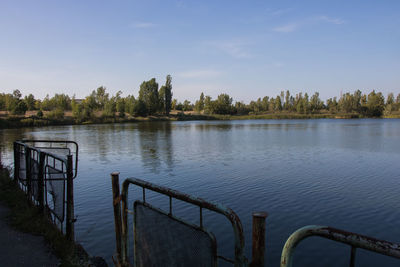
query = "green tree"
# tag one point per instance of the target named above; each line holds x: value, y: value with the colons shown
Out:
x: 161, y: 98
x: 168, y: 94
x: 223, y: 104
x: 173, y: 104
x: 187, y: 106
x: 315, y: 103
x: 139, y: 108
x: 287, y: 105
x: 101, y: 97
x: 265, y: 103
x: 129, y: 104
x: 278, y: 103
x: 208, y: 105
x: 30, y: 102
x: 148, y: 93
x: 120, y: 104
x: 375, y: 104
x: 199, y: 105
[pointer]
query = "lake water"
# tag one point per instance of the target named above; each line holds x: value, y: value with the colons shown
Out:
x: 341, y: 173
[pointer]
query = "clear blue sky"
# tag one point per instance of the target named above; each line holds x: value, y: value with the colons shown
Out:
x: 247, y: 49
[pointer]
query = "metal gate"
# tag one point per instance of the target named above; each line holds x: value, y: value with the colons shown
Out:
x: 45, y: 170
x: 161, y: 239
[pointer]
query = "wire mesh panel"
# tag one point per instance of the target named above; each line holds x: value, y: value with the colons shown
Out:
x: 163, y: 240
x: 55, y: 188
x: 21, y: 164
x: 34, y: 167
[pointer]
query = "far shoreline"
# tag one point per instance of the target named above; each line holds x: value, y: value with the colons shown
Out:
x: 10, y: 122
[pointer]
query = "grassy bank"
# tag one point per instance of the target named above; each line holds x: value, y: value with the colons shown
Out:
x: 21, y: 121
x: 26, y: 218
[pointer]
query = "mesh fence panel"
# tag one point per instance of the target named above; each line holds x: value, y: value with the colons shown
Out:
x: 162, y: 240
x: 35, y: 175
x: 55, y: 187
x: 22, y: 167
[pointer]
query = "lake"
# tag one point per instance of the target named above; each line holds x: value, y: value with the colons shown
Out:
x: 341, y: 173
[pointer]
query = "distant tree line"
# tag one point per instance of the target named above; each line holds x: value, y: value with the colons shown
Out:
x: 153, y: 100
x: 371, y: 105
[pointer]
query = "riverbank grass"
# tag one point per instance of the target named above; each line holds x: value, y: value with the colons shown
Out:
x: 27, y: 218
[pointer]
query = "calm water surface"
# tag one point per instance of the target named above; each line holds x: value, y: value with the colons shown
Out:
x: 342, y: 173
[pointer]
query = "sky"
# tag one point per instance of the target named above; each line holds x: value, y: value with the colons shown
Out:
x: 247, y: 49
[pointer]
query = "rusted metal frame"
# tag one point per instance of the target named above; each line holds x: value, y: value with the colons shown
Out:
x: 240, y: 259
x: 117, y: 214
x: 28, y: 172
x: 66, y: 142
x: 352, y: 239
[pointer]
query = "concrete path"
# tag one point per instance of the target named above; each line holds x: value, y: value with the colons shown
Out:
x: 21, y: 249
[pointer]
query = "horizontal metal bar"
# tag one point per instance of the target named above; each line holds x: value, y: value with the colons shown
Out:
x: 356, y: 240
x: 225, y: 259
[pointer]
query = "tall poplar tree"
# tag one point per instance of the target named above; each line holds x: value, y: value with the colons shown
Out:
x: 168, y: 94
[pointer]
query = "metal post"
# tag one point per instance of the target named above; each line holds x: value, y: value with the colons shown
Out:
x: 70, y: 200
x: 353, y: 256
x: 117, y: 213
x: 41, y: 181
x: 28, y: 172
x: 124, y: 241
x: 258, y: 239
x: 16, y: 162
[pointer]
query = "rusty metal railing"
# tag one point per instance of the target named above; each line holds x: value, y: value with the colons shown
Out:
x: 121, y: 220
x: 47, y: 178
x: 352, y: 239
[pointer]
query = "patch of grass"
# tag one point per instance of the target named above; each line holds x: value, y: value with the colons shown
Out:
x: 27, y: 218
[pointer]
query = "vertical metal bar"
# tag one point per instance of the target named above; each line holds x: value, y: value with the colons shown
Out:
x: 170, y: 205
x: 117, y: 213
x: 258, y: 251
x: 41, y: 181
x: 144, y: 195
x: 124, y: 241
x: 28, y: 171
x: 353, y: 256
x: 16, y: 161
x: 70, y: 200
x: 201, y: 217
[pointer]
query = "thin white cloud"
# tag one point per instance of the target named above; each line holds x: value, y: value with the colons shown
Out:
x: 199, y: 74
x: 235, y: 49
x: 279, y: 12
x: 291, y: 27
x: 287, y: 28
x: 143, y: 25
x: 336, y: 21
